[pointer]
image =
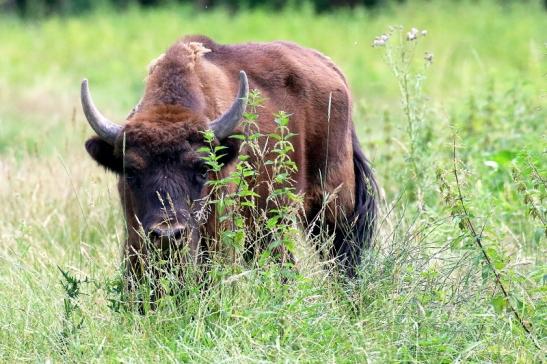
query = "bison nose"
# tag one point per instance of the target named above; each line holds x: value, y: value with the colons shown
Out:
x: 162, y: 231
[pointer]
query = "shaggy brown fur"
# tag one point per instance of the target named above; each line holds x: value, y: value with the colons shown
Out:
x: 194, y: 82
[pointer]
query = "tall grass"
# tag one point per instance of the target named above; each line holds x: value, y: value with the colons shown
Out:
x: 425, y: 293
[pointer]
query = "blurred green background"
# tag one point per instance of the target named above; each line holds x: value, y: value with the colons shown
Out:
x: 48, y: 7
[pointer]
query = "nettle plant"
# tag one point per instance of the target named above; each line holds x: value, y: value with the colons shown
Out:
x: 233, y: 196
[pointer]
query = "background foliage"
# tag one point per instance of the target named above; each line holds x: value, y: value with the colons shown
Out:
x: 425, y: 293
x: 35, y: 8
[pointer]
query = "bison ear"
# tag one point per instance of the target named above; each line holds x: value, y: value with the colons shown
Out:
x: 103, y: 153
x: 231, y: 150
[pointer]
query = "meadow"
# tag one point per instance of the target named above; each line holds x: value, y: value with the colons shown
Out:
x: 457, y: 140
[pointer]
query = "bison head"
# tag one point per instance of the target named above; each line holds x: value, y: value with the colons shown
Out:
x: 162, y: 174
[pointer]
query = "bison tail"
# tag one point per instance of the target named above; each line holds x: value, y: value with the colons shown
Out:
x: 366, y: 197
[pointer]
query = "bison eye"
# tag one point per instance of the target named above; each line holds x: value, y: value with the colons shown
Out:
x: 130, y: 174
x: 202, y: 171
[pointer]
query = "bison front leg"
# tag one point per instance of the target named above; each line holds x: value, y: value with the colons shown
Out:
x: 142, y: 275
x: 153, y: 272
x: 134, y: 269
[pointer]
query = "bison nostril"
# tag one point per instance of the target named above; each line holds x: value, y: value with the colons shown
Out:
x: 176, y: 233
x: 155, y: 233
x: 166, y: 233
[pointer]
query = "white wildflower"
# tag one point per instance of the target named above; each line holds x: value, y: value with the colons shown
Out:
x: 428, y: 57
x: 413, y: 34
x: 380, y: 40
x: 424, y: 33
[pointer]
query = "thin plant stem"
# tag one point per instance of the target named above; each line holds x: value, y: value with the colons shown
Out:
x: 478, y: 240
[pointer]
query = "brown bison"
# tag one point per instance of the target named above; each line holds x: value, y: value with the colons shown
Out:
x: 191, y: 89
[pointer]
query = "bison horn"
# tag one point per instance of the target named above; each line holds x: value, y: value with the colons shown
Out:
x: 225, y: 124
x: 105, y: 129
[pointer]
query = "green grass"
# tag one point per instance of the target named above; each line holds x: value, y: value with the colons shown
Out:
x: 425, y: 294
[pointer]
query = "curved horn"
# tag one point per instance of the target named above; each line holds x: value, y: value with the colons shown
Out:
x: 225, y: 124
x: 105, y: 129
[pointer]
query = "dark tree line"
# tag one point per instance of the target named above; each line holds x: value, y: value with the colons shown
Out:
x: 34, y: 8
x: 64, y: 7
